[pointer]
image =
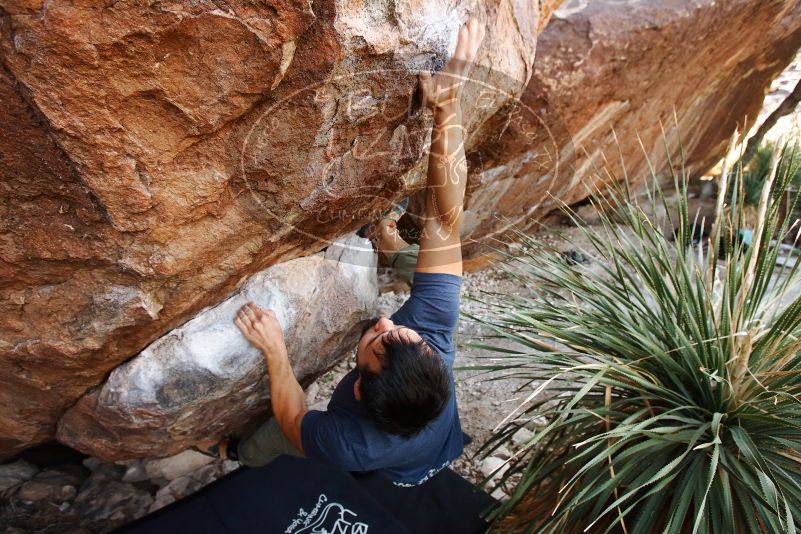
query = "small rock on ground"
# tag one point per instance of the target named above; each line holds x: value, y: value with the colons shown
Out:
x: 176, y: 466
x: 16, y: 473
x: 493, y: 466
x: 102, y: 497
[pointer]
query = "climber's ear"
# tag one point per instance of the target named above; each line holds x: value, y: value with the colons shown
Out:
x: 357, y: 389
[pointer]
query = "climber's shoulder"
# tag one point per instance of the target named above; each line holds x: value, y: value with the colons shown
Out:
x: 432, y: 310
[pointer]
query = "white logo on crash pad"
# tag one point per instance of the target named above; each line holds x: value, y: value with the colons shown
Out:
x: 326, y: 518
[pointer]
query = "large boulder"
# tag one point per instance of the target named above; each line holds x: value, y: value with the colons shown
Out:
x: 609, y: 76
x: 204, y: 379
x: 156, y: 154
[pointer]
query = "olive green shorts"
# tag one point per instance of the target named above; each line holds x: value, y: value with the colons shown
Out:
x: 266, y: 444
x: 404, y: 261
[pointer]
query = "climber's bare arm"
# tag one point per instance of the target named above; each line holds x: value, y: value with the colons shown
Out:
x: 262, y: 329
x: 440, y: 240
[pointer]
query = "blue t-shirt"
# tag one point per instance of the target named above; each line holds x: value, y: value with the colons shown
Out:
x: 343, y: 436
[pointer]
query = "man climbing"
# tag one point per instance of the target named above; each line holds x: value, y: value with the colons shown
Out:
x: 395, y: 413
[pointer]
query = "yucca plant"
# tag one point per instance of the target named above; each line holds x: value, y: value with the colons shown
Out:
x: 668, y: 377
x: 756, y: 174
x: 757, y: 170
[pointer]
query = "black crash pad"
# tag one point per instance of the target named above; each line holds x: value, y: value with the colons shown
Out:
x: 298, y: 496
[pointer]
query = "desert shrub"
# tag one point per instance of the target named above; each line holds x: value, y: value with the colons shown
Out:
x: 757, y: 170
x: 668, y: 378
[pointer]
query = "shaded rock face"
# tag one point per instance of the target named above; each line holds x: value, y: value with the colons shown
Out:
x: 204, y: 379
x: 154, y: 155
x: 627, y: 65
x: 104, y: 498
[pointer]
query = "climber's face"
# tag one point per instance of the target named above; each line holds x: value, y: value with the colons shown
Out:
x: 370, y: 350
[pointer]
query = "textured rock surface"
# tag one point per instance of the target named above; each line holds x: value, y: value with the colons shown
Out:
x: 16, y: 473
x: 181, y: 487
x: 204, y: 379
x: 148, y: 163
x: 174, y: 467
x: 628, y: 65
x: 105, y: 498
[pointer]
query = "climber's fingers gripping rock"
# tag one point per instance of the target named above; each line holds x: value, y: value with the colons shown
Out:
x: 446, y: 86
x: 261, y: 328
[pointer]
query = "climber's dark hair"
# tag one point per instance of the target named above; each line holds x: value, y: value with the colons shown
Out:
x: 411, y: 390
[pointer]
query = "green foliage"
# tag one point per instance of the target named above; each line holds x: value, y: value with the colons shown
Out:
x: 758, y: 169
x: 670, y: 383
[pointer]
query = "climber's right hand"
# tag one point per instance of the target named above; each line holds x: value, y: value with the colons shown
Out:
x: 262, y: 329
x: 444, y: 89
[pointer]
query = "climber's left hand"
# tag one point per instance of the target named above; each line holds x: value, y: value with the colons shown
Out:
x: 262, y: 329
x: 444, y: 90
